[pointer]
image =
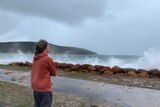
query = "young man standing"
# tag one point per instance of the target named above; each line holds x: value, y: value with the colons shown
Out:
x: 42, y: 68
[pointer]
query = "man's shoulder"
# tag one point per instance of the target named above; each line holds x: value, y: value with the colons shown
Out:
x: 47, y: 58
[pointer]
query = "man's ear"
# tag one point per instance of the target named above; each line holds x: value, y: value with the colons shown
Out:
x: 47, y: 50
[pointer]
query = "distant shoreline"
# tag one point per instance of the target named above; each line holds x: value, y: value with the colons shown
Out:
x: 29, y: 47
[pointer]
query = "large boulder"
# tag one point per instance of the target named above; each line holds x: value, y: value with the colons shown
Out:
x: 56, y: 63
x: 105, y: 68
x: 125, y: 70
x: 85, y: 66
x: 98, y: 67
x: 76, y: 67
x: 117, y: 69
x: 61, y: 65
x: 142, y: 70
x: 28, y: 64
x: 91, y: 68
x: 143, y: 74
x: 154, y: 72
x: 85, y: 71
x: 106, y: 73
x: 64, y: 65
x: 16, y: 64
x: 131, y: 74
x: 67, y: 70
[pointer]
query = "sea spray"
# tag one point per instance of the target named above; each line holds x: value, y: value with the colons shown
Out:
x: 149, y: 60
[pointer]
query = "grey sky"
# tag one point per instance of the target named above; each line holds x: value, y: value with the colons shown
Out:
x: 103, y: 26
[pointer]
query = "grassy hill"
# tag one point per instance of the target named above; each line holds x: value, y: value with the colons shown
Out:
x: 29, y: 47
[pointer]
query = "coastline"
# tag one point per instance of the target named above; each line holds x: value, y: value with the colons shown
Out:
x: 19, y: 74
x: 118, y: 79
x: 14, y: 95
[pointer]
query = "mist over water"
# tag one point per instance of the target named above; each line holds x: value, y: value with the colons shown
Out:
x: 149, y: 60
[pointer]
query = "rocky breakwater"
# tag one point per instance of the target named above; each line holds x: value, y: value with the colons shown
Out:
x: 101, y: 70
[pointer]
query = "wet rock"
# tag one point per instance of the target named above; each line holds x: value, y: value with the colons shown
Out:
x: 155, y: 77
x: 105, y: 68
x: 102, y: 69
x: 131, y: 74
x: 27, y: 64
x: 85, y: 71
x: 120, y: 74
x: 85, y: 66
x: 143, y: 74
x: 64, y: 65
x: 142, y: 70
x: 91, y: 68
x: 154, y: 72
x: 16, y: 64
x: 108, y: 73
x: 116, y: 69
x: 75, y: 67
x: 67, y: 70
x: 57, y: 64
x: 98, y: 67
x: 125, y: 70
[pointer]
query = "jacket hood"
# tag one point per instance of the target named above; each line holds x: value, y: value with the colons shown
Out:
x: 39, y: 56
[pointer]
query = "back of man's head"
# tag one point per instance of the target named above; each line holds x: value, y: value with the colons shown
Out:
x: 41, y: 46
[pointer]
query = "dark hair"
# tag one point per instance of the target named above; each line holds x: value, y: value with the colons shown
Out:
x: 41, y: 46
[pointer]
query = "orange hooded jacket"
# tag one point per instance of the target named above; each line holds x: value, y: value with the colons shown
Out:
x: 42, y: 68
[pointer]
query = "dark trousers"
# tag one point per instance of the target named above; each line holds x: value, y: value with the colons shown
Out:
x: 42, y: 99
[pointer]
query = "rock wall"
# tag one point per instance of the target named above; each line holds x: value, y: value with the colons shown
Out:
x: 101, y: 70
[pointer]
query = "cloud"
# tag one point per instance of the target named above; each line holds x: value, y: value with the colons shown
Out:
x: 68, y: 11
x: 8, y: 21
x: 106, y: 27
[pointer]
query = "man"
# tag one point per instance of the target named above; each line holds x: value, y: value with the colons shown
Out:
x: 42, y: 68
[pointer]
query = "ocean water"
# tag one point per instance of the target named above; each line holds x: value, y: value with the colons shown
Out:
x: 149, y: 60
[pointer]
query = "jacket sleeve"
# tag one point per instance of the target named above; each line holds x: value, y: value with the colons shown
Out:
x: 52, y: 68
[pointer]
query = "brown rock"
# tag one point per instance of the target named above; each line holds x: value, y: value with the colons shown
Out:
x: 84, y: 66
x: 28, y: 64
x: 131, y: 74
x: 102, y: 69
x: 93, y: 72
x: 16, y: 64
x: 64, y: 65
x: 75, y: 67
x: 120, y: 74
x: 61, y: 65
x: 125, y: 70
x: 91, y: 68
x: 67, y: 70
x: 116, y: 69
x: 108, y: 73
x: 108, y: 68
x: 85, y: 71
x: 58, y: 65
x: 142, y: 70
x: 143, y: 74
x: 98, y: 67
x: 155, y: 77
x: 154, y: 72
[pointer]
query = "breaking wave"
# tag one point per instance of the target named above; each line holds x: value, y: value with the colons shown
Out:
x: 149, y: 60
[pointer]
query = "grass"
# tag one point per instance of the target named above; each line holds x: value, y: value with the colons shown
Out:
x: 18, y: 68
x: 15, y: 95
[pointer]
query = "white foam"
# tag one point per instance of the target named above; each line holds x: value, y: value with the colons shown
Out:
x: 149, y: 60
